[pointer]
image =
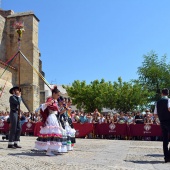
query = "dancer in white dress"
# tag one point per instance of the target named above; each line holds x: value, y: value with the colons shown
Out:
x: 50, y: 137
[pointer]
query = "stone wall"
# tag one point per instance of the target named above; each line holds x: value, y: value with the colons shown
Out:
x: 6, y: 13
x: 2, y: 38
x: 41, y: 83
x: 6, y: 85
x: 29, y: 80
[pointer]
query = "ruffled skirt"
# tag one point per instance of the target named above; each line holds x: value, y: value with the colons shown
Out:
x: 70, y: 133
x: 50, y: 135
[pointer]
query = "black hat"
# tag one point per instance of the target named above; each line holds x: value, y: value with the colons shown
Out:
x: 14, y: 88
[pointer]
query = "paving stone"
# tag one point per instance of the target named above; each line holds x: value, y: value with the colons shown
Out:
x: 88, y: 154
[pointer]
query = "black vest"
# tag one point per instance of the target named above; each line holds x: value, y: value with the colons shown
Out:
x: 162, y: 110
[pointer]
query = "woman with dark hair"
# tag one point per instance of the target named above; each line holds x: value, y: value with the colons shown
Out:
x: 69, y: 126
x: 62, y: 119
x: 65, y: 119
x: 51, y: 133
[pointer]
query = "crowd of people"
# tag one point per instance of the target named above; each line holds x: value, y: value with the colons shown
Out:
x: 95, y: 117
x: 130, y: 117
x: 24, y: 117
x: 145, y: 117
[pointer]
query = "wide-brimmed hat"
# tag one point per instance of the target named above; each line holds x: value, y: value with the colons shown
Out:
x: 14, y: 88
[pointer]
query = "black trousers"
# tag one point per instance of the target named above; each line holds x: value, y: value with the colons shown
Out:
x: 165, y: 126
x: 15, y: 128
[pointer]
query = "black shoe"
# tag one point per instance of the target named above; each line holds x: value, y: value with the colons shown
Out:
x: 3, y: 137
x: 17, y: 146
x: 167, y: 159
x: 11, y: 146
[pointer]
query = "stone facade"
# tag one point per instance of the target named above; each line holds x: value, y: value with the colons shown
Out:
x: 29, y: 80
x: 2, y: 39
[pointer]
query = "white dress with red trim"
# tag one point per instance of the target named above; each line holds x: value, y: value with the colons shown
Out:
x: 50, y: 136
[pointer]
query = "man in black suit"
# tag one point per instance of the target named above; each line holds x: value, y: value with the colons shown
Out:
x: 162, y: 108
x: 15, y: 126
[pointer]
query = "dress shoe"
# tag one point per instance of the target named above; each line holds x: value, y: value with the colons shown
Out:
x: 167, y: 159
x: 11, y: 146
x: 17, y: 146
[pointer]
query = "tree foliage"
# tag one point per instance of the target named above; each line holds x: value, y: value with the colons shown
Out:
x: 154, y: 74
x: 122, y: 96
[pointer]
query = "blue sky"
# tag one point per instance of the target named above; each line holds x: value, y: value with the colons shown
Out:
x: 95, y: 39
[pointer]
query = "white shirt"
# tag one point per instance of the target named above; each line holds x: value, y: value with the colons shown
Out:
x: 165, y: 97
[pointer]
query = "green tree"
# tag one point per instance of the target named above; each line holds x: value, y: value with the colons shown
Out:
x: 122, y: 96
x: 154, y: 74
x: 88, y: 97
x: 130, y: 95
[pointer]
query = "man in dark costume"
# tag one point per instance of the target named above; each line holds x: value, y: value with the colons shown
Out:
x: 15, y: 126
x: 162, y: 108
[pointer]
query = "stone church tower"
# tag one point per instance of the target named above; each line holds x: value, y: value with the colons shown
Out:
x: 32, y: 86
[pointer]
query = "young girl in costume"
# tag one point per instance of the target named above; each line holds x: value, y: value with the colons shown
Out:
x: 50, y: 137
x: 69, y: 126
x: 62, y: 120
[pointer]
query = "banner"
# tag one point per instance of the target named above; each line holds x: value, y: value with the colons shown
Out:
x: 144, y: 130
x: 111, y: 129
x: 37, y: 128
x: 83, y: 129
x: 4, y: 126
x: 28, y: 127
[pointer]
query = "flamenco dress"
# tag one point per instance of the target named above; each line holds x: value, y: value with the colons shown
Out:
x: 50, y: 137
x: 70, y: 131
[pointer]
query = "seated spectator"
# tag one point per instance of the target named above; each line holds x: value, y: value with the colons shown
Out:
x: 133, y: 115
x: 96, y: 119
x: 73, y: 113
x: 83, y: 118
x: 77, y: 117
x: 130, y: 119
x: 27, y: 116
x: 22, y: 118
x: 101, y: 118
x: 108, y: 118
x: 2, y: 116
x: 96, y: 113
x: 115, y: 118
x: 126, y: 116
x: 6, y: 116
x: 148, y: 120
x: 121, y: 119
x: 89, y: 117
x: 34, y: 117
x: 139, y: 119
x: 156, y: 120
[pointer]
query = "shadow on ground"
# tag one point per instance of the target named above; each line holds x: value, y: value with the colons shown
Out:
x: 144, y: 162
x: 155, y: 155
x: 31, y: 153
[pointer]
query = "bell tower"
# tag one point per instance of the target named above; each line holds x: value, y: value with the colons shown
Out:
x: 29, y: 80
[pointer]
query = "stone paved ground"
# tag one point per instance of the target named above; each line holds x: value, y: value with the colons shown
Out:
x: 88, y: 154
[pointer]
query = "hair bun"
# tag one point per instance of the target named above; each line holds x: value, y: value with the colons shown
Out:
x: 55, y: 87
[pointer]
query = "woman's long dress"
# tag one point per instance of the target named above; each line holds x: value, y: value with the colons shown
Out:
x: 51, y: 133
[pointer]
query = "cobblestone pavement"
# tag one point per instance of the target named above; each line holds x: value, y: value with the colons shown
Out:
x: 88, y: 154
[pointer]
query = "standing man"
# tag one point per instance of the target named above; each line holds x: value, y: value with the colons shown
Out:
x: 15, y: 128
x: 162, y: 108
